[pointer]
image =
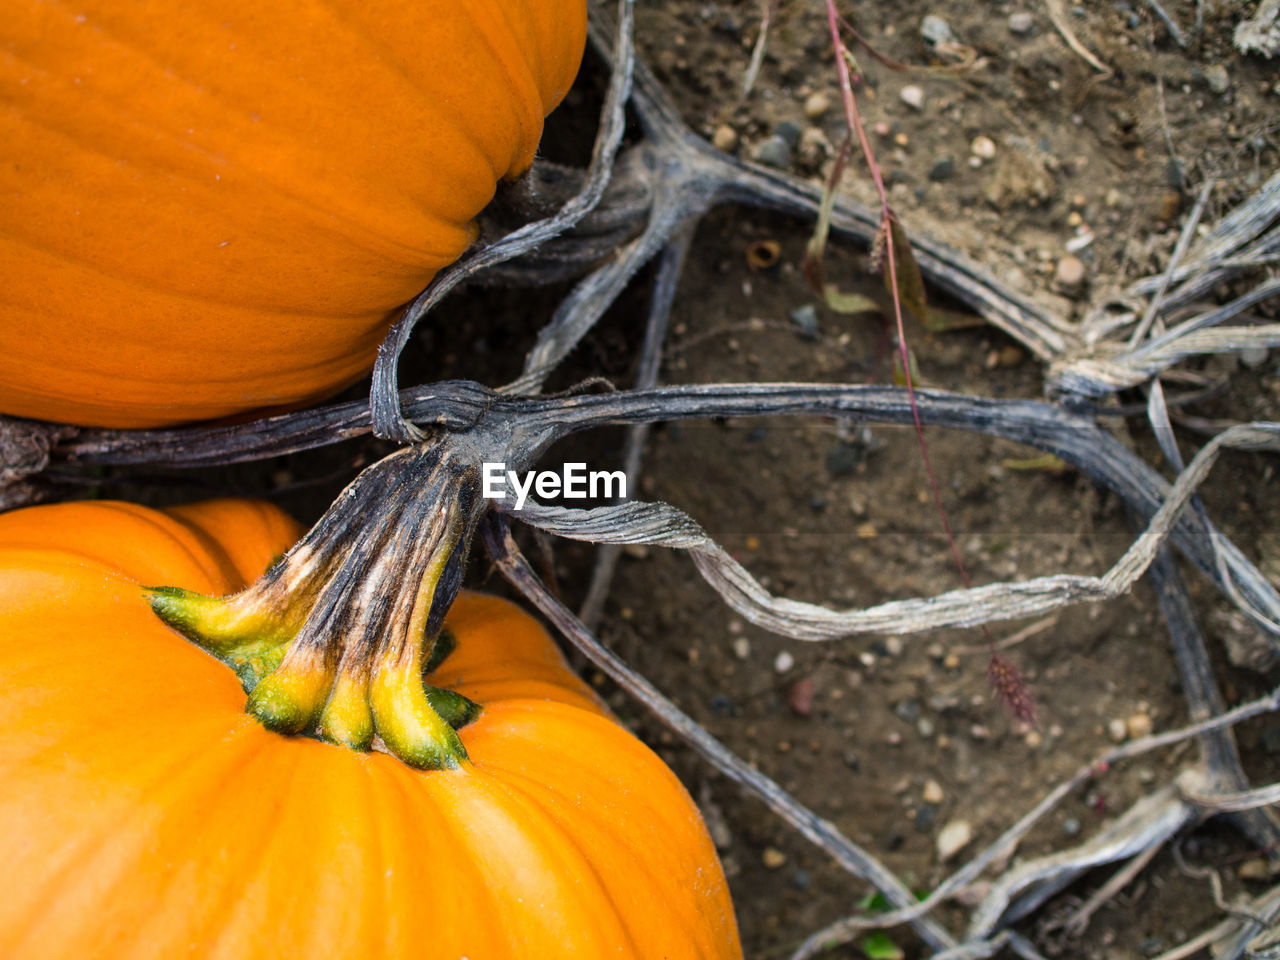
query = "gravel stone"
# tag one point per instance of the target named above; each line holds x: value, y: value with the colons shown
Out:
x: 1216, y: 76
x: 983, y: 147
x: 774, y: 152
x: 815, y: 105
x: 912, y: 96
x: 935, y: 30
x: 773, y: 858
x: 1138, y: 725
x: 953, y: 838
x: 1069, y: 273
x: 789, y: 132
x: 943, y: 169
x: 725, y: 139
x: 1021, y: 23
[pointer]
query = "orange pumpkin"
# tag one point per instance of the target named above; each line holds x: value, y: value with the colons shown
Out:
x: 143, y: 814
x: 211, y: 208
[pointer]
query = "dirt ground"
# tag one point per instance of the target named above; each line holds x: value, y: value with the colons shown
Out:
x: 892, y: 739
x: 902, y: 737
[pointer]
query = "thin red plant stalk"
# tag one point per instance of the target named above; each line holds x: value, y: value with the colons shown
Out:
x: 1004, y: 677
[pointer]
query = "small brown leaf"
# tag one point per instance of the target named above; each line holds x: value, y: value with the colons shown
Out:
x: 849, y: 302
x: 906, y: 272
x: 943, y: 320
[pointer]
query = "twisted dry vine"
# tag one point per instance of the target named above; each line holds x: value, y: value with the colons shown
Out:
x: 286, y: 634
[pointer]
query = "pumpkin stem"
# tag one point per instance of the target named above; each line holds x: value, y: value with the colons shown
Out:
x: 336, y: 638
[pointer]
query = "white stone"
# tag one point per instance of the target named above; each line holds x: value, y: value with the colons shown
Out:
x: 953, y: 838
x: 983, y: 147
x: 912, y: 96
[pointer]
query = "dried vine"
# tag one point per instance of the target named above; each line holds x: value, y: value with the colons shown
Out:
x: 603, y: 225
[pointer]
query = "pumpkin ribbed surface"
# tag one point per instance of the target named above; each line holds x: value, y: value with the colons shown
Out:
x: 145, y: 815
x: 211, y: 208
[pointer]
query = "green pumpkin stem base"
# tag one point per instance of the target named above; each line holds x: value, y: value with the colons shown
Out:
x: 334, y: 640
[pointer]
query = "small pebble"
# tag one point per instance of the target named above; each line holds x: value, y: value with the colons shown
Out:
x: 935, y: 30
x: 983, y: 147
x: 1117, y: 730
x: 1216, y: 76
x: 1254, y: 357
x: 815, y: 105
x: 943, y: 169
x: 741, y: 647
x: 1071, y: 826
x: 814, y: 146
x: 788, y: 131
x: 882, y: 129
x: 1069, y: 273
x: 1021, y: 23
x: 1138, y: 725
x: 912, y: 96
x: 925, y: 818
x: 783, y: 662
x: 844, y: 458
x: 774, y: 152
x: 1033, y: 739
x: 908, y: 710
x: 1168, y: 206
x: 773, y: 858
x: 925, y: 727
x: 932, y: 792
x: 953, y: 838
x: 806, y: 320
x: 725, y: 138
x: 1080, y: 241
x: 800, y: 697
